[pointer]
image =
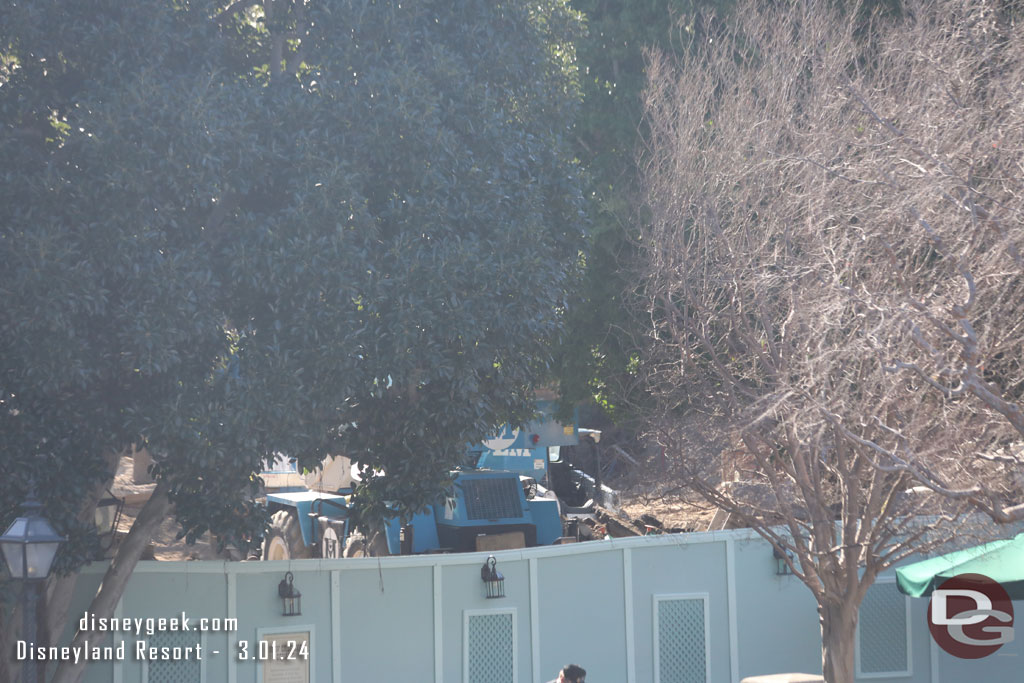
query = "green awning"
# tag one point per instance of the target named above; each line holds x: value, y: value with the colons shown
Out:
x: 1001, y: 561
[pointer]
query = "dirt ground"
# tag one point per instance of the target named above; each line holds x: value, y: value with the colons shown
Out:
x: 673, y: 510
x: 165, y: 546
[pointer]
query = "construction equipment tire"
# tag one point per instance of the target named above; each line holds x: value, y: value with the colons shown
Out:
x: 284, y: 540
x: 357, y: 545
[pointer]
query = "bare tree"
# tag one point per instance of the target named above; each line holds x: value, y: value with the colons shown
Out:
x: 833, y: 278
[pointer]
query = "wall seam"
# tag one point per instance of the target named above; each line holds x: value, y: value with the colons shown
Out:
x: 232, y: 588
x: 627, y: 580
x: 336, y: 625
x: 734, y: 645
x: 534, y: 620
x: 438, y: 626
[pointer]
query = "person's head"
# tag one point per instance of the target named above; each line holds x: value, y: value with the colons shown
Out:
x: 572, y: 674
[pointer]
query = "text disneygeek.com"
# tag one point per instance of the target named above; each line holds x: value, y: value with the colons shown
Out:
x: 140, y: 649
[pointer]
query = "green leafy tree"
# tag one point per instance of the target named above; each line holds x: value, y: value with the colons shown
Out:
x: 597, y: 361
x: 273, y: 227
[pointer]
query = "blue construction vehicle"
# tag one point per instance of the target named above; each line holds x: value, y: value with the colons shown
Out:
x: 494, y: 503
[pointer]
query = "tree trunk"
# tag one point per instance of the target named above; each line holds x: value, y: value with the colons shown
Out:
x: 61, y: 589
x: 55, y: 597
x: 128, y: 554
x: 10, y: 630
x: 838, y: 630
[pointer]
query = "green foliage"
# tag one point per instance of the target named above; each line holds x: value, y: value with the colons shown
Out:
x: 597, y: 360
x: 320, y: 230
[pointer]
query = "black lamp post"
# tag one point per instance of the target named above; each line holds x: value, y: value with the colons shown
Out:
x: 29, y: 546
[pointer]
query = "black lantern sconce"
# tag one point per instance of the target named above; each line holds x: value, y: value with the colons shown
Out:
x: 291, y: 598
x: 492, y: 578
x: 108, y: 514
x: 781, y: 566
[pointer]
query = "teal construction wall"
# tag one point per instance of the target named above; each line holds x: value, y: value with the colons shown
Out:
x: 425, y: 618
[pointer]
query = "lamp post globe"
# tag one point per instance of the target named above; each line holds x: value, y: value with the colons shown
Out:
x: 30, y: 543
x: 29, y: 546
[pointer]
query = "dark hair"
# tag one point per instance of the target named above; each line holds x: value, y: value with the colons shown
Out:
x: 573, y: 672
